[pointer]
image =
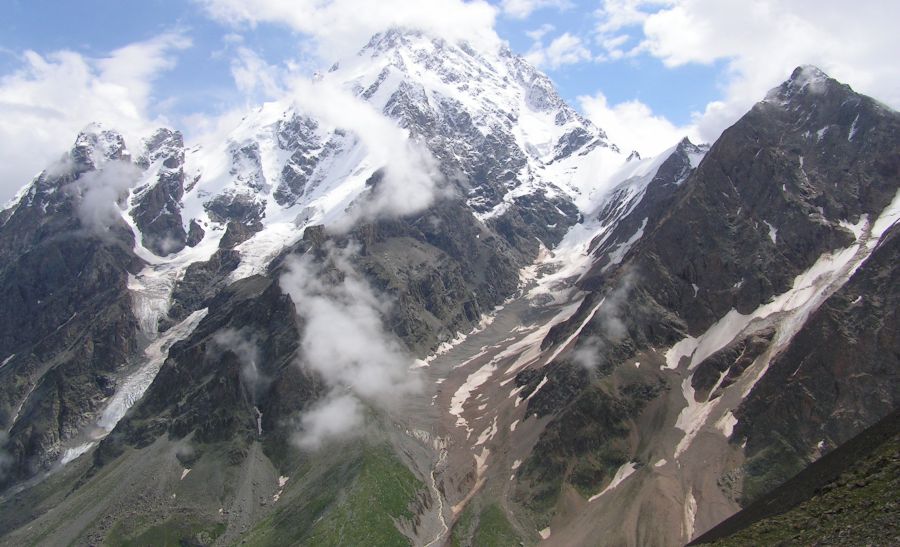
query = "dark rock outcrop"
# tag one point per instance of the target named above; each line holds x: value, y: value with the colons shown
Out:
x: 67, y: 321
x: 157, y: 208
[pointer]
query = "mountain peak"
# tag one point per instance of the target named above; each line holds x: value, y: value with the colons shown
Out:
x: 387, y: 40
x: 804, y: 74
x: 804, y: 81
x: 161, y: 144
x: 96, y: 145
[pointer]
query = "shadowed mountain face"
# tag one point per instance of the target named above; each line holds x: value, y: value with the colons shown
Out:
x: 685, y: 332
x: 67, y: 325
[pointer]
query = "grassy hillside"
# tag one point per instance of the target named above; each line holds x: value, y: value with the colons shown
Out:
x: 849, y: 497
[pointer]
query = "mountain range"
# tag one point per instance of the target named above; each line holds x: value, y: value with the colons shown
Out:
x: 422, y: 300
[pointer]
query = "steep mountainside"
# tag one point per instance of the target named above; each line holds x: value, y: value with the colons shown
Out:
x: 424, y: 301
x: 790, y: 203
x: 67, y: 325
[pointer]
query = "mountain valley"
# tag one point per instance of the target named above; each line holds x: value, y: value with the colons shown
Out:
x: 427, y: 302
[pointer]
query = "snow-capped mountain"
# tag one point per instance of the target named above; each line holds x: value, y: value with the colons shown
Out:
x: 499, y: 139
x: 495, y: 129
x: 544, y: 332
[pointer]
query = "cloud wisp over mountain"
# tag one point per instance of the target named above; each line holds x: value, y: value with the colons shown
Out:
x: 344, y: 339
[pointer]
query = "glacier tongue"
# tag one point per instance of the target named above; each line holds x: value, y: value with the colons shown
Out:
x: 137, y: 383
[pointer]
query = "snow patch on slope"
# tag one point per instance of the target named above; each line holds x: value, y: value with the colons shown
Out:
x: 622, y: 473
x: 789, y: 311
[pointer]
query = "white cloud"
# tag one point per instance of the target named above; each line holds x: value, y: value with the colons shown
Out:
x: 614, y: 15
x: 760, y: 43
x: 411, y: 179
x: 565, y: 49
x: 609, y: 321
x: 632, y: 125
x: 345, y: 341
x: 245, y: 346
x: 254, y: 77
x: 617, y: 21
x: 341, y: 27
x: 539, y: 33
x: 50, y: 98
x: 521, y: 9
x: 337, y: 416
x: 100, y: 192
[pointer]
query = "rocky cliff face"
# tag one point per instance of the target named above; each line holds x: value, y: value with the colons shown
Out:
x: 67, y: 325
x: 156, y: 208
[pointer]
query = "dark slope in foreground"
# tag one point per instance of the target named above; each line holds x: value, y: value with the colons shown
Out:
x: 849, y: 496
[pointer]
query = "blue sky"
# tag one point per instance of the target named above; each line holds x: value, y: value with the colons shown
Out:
x: 201, y: 81
x: 646, y: 71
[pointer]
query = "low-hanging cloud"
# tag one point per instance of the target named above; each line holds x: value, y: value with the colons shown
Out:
x: 412, y: 179
x: 345, y: 341
x: 6, y: 460
x: 244, y: 344
x: 100, y: 192
x: 337, y: 416
x: 610, y: 320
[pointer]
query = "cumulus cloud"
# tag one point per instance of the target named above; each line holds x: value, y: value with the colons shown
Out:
x: 631, y: 125
x: 616, y: 16
x: 254, y: 77
x: 538, y: 33
x: 55, y: 95
x: 565, y: 49
x: 100, y: 193
x: 345, y: 341
x: 521, y: 9
x: 411, y: 178
x: 760, y: 43
x: 341, y: 27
